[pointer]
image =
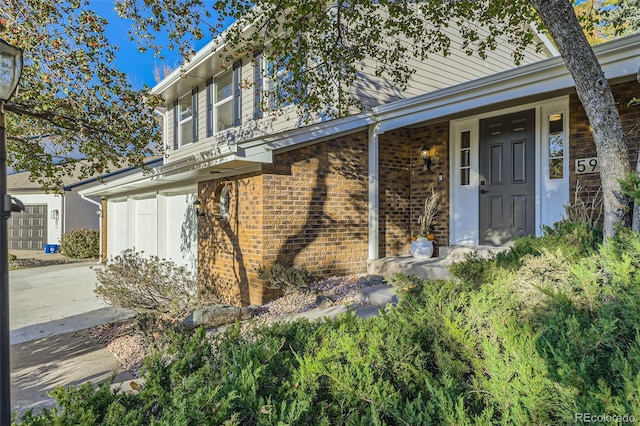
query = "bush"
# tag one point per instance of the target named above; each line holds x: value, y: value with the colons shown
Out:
x: 140, y: 283
x: 472, y: 270
x: 80, y: 243
x: 289, y: 280
x: 537, y: 343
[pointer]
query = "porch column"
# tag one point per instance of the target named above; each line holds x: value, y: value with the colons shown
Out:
x: 374, y: 187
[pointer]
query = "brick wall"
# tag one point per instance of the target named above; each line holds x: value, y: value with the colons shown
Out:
x: 230, y: 251
x: 436, y: 137
x: 582, y: 145
x: 395, y: 193
x: 310, y: 207
x: 316, y: 207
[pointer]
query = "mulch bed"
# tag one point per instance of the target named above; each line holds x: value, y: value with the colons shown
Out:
x: 34, y: 263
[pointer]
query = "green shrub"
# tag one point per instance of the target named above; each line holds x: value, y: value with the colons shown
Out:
x: 288, y: 280
x: 472, y: 270
x: 131, y: 280
x: 80, y: 243
x: 12, y: 257
x: 552, y: 334
x: 578, y: 238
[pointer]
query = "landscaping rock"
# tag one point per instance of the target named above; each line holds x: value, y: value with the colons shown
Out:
x: 323, y: 302
x: 217, y: 315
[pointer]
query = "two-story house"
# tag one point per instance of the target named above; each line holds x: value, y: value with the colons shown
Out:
x: 242, y: 188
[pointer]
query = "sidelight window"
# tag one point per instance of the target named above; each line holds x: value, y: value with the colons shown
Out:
x: 556, y: 146
x: 465, y: 157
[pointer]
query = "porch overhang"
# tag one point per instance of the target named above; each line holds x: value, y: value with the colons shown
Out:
x: 198, y: 167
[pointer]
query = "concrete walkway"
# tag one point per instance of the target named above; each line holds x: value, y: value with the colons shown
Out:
x: 68, y: 359
x: 51, y: 308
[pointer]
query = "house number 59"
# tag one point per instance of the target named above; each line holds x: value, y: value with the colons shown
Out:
x: 587, y: 165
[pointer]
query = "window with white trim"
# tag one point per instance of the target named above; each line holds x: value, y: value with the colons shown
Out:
x: 556, y: 146
x: 277, y: 86
x: 465, y: 157
x: 224, y: 100
x: 258, y: 89
x: 184, y: 115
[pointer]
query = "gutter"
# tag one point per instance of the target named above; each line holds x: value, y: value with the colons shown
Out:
x: 108, y: 175
x: 202, y: 55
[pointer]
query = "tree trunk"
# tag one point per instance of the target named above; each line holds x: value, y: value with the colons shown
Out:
x: 599, y: 104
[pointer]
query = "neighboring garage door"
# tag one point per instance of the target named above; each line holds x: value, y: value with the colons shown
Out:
x: 28, y: 230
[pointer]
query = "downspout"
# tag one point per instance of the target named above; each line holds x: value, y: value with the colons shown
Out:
x: 374, y: 195
x: 84, y: 197
x: 63, y: 217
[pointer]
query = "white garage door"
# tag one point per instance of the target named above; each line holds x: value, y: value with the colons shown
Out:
x: 28, y: 230
x: 181, y: 239
x: 117, y: 228
x: 146, y: 226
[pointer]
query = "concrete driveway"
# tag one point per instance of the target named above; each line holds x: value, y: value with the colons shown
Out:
x: 51, y: 308
x: 56, y: 299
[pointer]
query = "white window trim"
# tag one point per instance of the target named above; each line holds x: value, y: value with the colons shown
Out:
x: 217, y: 104
x: 185, y: 121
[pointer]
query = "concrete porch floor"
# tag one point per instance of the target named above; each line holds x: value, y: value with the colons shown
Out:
x: 427, y: 269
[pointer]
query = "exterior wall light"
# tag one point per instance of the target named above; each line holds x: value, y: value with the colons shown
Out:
x: 197, y: 206
x: 426, y: 158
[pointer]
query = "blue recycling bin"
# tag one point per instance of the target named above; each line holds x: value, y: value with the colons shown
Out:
x: 51, y: 248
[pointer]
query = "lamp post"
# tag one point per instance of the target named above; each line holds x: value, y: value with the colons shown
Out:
x: 10, y: 71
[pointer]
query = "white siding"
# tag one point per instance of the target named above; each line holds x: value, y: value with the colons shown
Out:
x: 438, y: 72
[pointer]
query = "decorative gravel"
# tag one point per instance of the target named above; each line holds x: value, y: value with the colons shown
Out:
x: 128, y: 347
x: 327, y: 292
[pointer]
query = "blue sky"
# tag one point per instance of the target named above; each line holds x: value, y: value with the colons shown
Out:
x: 138, y: 66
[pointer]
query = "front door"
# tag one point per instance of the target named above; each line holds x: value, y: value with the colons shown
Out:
x: 507, y: 177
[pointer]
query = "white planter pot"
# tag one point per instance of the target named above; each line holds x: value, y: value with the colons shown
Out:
x: 422, y: 248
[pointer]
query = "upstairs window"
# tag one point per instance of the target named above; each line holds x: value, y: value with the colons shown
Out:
x: 224, y: 103
x: 183, y: 121
x: 278, y: 85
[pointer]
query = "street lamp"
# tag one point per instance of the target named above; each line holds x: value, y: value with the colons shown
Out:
x: 10, y: 71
